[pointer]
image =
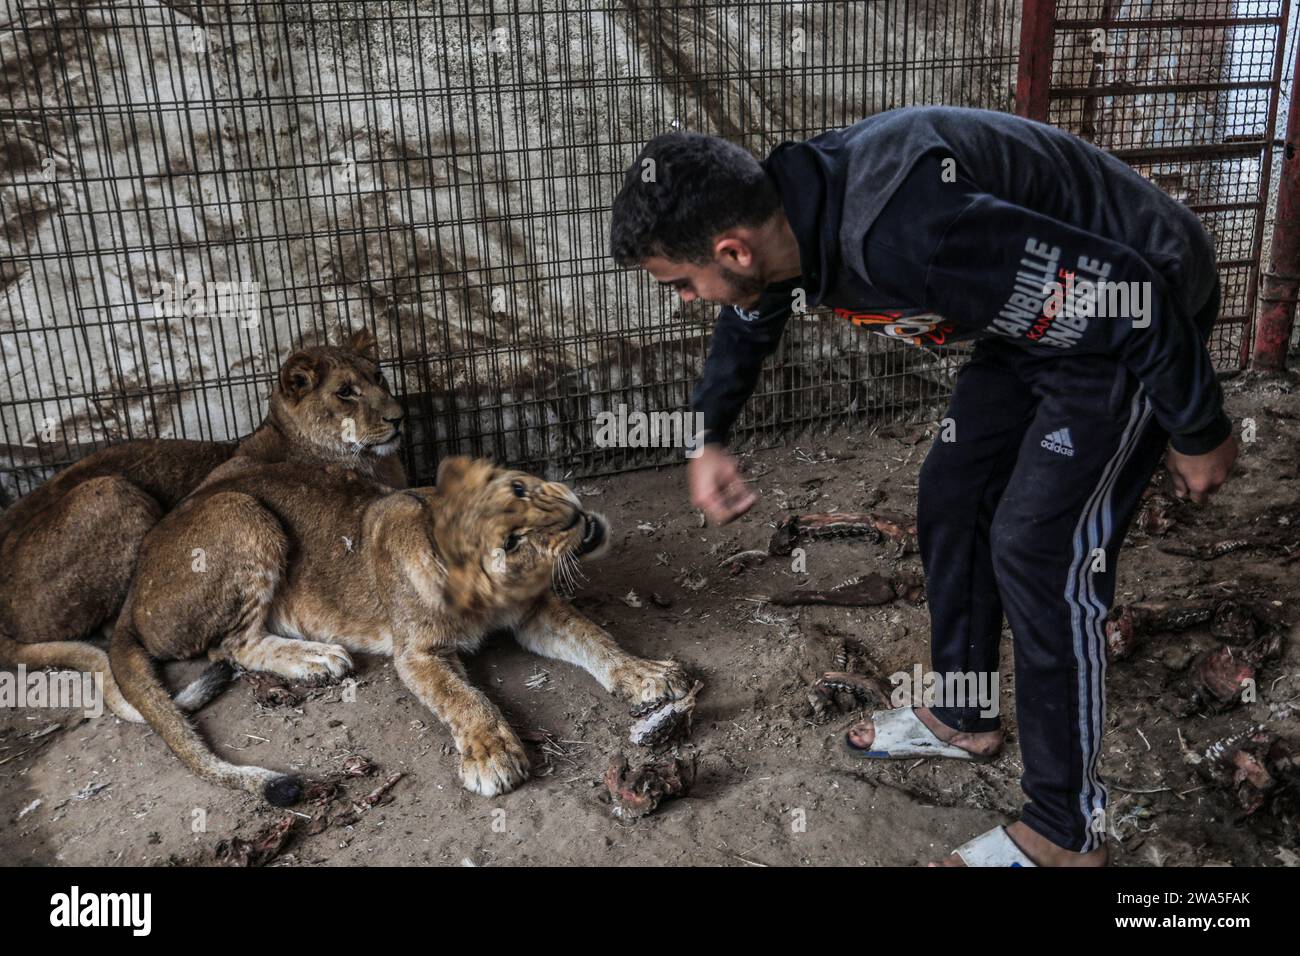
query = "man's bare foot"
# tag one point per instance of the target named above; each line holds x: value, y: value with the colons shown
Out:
x: 984, y: 744
x: 1041, y: 850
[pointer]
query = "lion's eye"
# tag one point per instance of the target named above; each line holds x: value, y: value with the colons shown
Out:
x: 347, y: 391
x: 512, y: 542
x: 518, y: 488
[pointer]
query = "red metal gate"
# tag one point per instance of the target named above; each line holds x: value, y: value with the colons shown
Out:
x: 1187, y: 93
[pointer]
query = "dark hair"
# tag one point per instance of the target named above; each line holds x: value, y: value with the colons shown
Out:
x: 702, y: 185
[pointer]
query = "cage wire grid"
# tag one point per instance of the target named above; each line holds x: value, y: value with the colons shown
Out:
x: 442, y: 173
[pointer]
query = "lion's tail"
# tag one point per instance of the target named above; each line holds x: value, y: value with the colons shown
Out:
x: 135, y: 671
x: 79, y: 656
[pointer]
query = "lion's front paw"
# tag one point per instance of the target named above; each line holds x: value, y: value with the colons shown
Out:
x: 641, y: 681
x: 492, y: 761
x: 322, y: 663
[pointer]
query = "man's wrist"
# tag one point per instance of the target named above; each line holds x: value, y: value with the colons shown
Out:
x: 1204, y: 439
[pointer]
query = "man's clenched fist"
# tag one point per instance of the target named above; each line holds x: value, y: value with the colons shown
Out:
x: 1199, y: 476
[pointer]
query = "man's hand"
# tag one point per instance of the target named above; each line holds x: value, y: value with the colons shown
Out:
x: 1199, y: 476
x: 716, y: 486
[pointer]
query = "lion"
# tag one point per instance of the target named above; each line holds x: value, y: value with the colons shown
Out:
x: 68, y: 549
x: 306, y: 567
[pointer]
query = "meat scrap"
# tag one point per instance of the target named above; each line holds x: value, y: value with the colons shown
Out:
x: 843, y: 691
x: 660, y: 721
x: 265, y: 846
x: 633, y: 794
x: 1208, y: 551
x: 269, y: 691
x: 1253, y: 767
x: 1238, y: 620
x: 869, y: 590
x: 1155, y: 517
x: 876, y: 525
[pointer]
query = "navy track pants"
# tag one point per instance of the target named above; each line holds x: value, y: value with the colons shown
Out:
x: 1023, y: 513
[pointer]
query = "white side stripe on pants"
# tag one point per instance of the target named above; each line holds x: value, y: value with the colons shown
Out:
x: 1087, y: 614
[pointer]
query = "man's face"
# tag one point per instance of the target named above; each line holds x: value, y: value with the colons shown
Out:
x: 712, y: 282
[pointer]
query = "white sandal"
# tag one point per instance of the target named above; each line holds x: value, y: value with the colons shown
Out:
x: 901, y: 734
x: 993, y: 848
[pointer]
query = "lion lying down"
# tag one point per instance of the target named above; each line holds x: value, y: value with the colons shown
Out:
x: 305, y: 565
x: 68, y: 549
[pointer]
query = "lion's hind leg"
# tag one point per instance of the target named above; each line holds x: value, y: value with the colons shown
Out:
x: 206, y: 580
x: 66, y: 572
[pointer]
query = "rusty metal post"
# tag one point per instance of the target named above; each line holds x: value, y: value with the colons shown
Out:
x: 1034, y: 75
x: 1280, y: 283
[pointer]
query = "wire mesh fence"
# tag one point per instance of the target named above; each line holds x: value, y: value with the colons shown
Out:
x: 193, y: 189
x: 1187, y: 92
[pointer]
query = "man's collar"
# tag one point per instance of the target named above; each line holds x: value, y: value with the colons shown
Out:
x: 798, y: 180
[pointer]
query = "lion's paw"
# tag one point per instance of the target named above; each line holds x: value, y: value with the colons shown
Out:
x: 642, y: 681
x: 492, y: 761
x: 317, y: 663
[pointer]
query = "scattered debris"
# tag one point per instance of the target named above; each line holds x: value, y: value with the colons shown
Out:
x: 358, y: 766
x: 875, y: 525
x: 743, y: 560
x: 538, y: 680
x: 1234, y: 619
x: 633, y: 794
x: 29, y: 808
x: 842, y: 691
x: 553, y: 749
x: 658, y: 600
x: 904, y: 434
x: 269, y: 843
x: 631, y: 599
x: 1212, y: 550
x: 819, y: 458
x: 90, y: 790
x: 1250, y: 766
x: 1155, y: 517
x: 866, y: 591
x: 660, y: 721
x: 1220, y: 676
x: 269, y: 691
x: 691, y: 580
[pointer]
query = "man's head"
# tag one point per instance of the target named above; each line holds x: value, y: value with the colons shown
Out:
x: 702, y: 217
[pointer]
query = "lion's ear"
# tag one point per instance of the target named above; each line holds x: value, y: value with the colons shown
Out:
x: 299, y: 375
x: 364, y: 343
x: 451, y: 471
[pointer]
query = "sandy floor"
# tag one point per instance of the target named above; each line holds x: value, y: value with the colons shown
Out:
x: 773, y: 786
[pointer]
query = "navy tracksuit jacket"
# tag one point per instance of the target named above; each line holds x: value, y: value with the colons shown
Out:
x: 936, y: 224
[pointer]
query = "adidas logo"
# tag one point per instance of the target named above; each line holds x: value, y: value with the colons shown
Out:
x: 1059, y: 442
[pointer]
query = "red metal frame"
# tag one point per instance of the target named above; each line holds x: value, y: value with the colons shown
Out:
x: 1276, y: 288
x: 1280, y: 283
x: 1034, y: 76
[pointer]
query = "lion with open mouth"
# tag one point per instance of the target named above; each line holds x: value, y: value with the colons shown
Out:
x: 302, y: 567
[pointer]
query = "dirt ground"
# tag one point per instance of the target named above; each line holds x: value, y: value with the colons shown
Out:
x: 773, y: 785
